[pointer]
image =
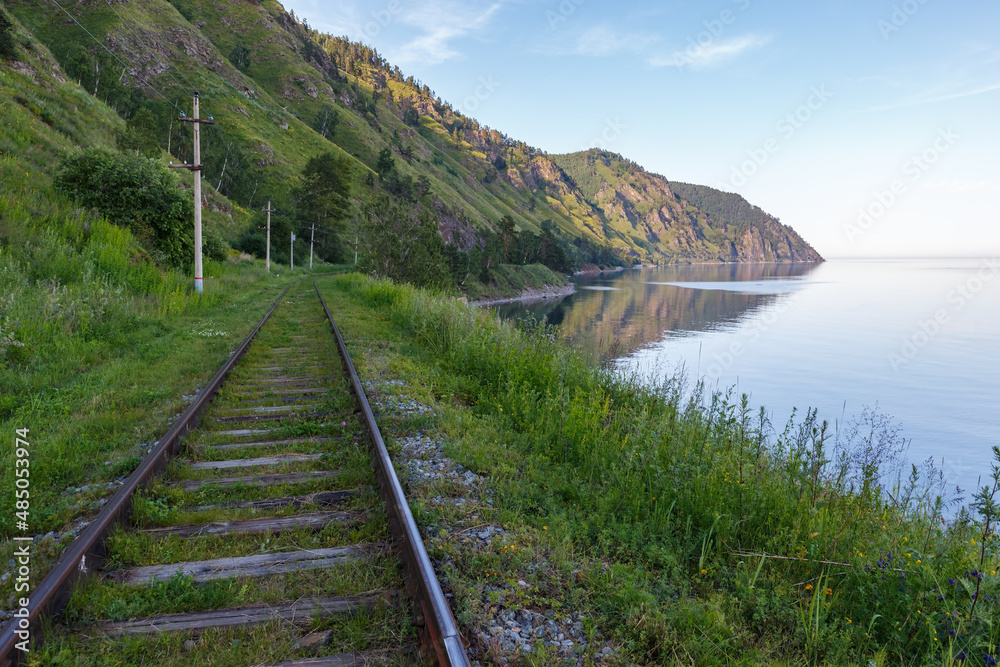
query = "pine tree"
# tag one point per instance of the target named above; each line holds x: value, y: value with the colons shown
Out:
x: 323, y: 198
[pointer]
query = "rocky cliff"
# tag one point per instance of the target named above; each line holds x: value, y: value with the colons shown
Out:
x: 678, y: 221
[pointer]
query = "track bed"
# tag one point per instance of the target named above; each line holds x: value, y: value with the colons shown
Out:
x: 264, y: 541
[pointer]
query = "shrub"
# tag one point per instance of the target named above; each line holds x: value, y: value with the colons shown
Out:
x: 212, y: 245
x: 134, y: 192
x: 240, y: 58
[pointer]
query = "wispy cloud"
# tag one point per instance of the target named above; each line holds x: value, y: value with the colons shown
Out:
x: 441, y: 22
x: 598, y: 41
x: 937, y: 94
x: 606, y: 41
x: 712, y: 54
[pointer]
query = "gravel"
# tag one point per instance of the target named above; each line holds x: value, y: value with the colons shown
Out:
x: 505, y: 629
x: 509, y: 623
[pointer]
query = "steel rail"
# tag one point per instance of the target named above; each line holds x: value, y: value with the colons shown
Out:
x: 432, y: 613
x: 52, y: 593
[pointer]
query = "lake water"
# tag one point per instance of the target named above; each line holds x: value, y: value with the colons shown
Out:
x: 919, y: 338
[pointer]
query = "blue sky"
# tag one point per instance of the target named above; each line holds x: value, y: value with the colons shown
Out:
x: 870, y: 126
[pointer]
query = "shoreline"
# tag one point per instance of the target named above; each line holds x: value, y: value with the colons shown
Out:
x: 599, y: 271
x: 530, y: 294
x: 707, y: 262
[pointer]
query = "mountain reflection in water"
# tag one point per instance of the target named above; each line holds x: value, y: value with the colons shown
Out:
x: 614, y: 314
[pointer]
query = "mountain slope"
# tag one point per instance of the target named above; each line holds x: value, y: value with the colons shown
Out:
x: 680, y: 221
x: 761, y: 236
x: 478, y: 174
x: 281, y: 93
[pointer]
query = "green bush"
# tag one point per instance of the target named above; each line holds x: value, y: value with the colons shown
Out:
x: 212, y: 245
x: 140, y: 135
x: 240, y: 58
x: 134, y: 192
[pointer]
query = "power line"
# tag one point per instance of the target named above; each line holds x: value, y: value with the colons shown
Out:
x: 319, y: 230
x: 148, y: 48
x: 115, y: 56
x: 151, y: 52
x: 136, y: 21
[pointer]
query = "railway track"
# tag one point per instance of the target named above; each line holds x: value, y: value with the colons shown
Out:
x: 266, y: 528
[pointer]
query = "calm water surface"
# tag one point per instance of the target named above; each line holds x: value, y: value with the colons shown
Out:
x: 919, y: 338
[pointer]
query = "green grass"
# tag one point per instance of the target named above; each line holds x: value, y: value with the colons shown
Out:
x: 136, y: 549
x: 179, y: 594
x: 385, y: 629
x: 173, y: 499
x: 644, y: 509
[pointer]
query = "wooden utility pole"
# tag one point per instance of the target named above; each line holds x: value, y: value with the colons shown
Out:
x: 291, y: 257
x: 267, y: 252
x: 196, y: 168
x: 312, y: 236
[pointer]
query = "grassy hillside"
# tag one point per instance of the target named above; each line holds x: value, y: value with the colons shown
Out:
x: 260, y: 146
x: 281, y: 93
x: 97, y: 341
x: 475, y: 174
